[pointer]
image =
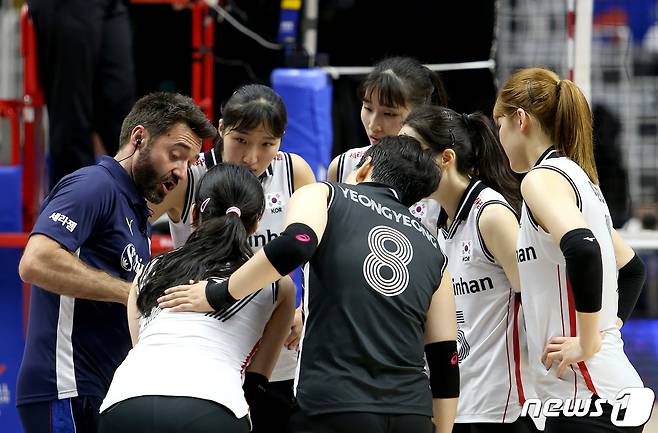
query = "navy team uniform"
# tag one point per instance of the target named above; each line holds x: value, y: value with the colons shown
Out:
x: 369, y: 288
x: 74, y: 345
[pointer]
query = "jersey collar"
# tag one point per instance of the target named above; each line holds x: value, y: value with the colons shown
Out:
x: 549, y: 153
x: 269, y: 172
x: 213, y: 157
x: 123, y: 179
x: 396, y: 194
x: 472, y: 191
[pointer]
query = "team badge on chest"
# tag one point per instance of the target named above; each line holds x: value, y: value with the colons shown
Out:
x: 467, y: 251
x: 275, y: 202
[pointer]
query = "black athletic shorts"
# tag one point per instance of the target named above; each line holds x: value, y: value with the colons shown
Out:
x: 157, y: 414
x: 522, y: 425
x: 359, y: 422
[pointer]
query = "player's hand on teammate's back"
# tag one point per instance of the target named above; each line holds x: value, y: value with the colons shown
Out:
x: 567, y: 351
x: 186, y: 297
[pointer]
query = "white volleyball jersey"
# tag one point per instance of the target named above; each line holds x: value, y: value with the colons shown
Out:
x: 548, y: 300
x: 195, y: 354
x: 182, y: 229
x: 277, y: 183
x: 426, y: 210
x: 489, y: 330
x: 347, y: 162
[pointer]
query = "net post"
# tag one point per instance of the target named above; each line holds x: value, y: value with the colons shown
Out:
x: 581, y: 55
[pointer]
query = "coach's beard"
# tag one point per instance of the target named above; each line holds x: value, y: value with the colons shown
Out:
x: 148, y: 180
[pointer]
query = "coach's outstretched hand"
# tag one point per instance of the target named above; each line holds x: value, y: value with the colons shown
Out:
x: 186, y: 297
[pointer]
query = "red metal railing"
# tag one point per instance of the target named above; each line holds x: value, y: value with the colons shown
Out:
x: 33, y: 134
x: 159, y: 244
x: 28, y: 113
x: 203, y: 56
x: 32, y: 106
x: 11, y: 110
x: 30, y: 109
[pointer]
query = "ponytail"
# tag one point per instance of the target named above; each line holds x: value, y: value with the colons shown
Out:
x: 573, y: 128
x: 439, y: 95
x: 559, y: 106
x: 473, y: 140
x: 490, y: 162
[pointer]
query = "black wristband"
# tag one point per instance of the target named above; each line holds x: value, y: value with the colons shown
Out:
x: 443, y: 362
x: 582, y: 255
x: 217, y: 294
x: 629, y: 285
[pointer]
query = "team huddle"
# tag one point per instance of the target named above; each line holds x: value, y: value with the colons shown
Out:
x: 440, y: 291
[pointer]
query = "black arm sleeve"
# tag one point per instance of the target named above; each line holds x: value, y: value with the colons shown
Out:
x: 442, y: 360
x: 292, y: 248
x: 629, y: 285
x: 582, y: 254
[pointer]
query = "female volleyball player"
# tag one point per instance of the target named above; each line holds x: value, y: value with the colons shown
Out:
x: 251, y: 128
x: 394, y: 87
x: 568, y: 253
x: 184, y: 373
x: 370, y: 311
x: 479, y: 195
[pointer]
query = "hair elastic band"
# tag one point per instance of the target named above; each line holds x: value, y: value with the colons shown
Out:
x: 453, y: 141
x: 235, y: 210
x: 531, y: 93
x: 204, y: 204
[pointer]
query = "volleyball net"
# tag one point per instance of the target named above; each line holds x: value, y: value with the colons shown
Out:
x: 614, y: 58
x: 609, y: 48
x: 620, y: 72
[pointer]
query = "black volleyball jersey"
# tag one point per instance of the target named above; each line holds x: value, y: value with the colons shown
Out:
x: 368, y: 290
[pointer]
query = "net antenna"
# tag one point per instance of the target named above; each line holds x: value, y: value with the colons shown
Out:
x: 579, y: 44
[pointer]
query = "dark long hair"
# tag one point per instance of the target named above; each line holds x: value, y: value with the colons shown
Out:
x: 253, y: 105
x: 219, y: 244
x: 473, y: 140
x: 403, y: 82
x: 401, y: 163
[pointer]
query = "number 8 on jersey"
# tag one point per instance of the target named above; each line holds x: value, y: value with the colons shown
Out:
x: 384, y: 269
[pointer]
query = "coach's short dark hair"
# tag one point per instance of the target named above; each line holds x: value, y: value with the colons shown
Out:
x: 400, y: 162
x: 160, y: 111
